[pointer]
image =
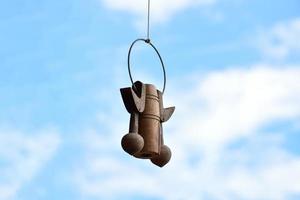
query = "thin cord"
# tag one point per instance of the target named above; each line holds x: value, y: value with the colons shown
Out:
x: 148, y: 23
x: 147, y: 40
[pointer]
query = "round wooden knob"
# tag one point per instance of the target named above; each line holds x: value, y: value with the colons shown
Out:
x: 163, y: 158
x: 132, y: 143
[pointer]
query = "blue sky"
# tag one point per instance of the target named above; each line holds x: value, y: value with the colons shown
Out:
x: 233, y: 65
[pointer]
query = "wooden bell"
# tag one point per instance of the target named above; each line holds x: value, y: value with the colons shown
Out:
x: 149, y: 124
x: 145, y: 138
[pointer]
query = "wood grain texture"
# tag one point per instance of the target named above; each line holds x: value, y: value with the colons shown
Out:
x: 149, y: 124
x: 134, y: 123
x: 134, y: 101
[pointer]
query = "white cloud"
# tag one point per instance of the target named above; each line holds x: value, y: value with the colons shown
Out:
x: 22, y: 156
x: 274, y: 182
x: 234, y: 103
x: 281, y: 40
x: 160, y: 10
x: 214, y: 111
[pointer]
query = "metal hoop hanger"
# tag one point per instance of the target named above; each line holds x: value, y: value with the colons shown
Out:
x: 147, y: 41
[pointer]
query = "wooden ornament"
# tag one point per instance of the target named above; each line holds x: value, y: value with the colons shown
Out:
x: 147, y: 113
x: 149, y: 124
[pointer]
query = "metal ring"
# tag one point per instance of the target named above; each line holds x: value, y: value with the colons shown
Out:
x: 162, y: 63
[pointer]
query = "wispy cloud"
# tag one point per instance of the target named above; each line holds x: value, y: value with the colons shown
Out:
x: 161, y: 11
x: 281, y: 40
x: 233, y: 103
x: 22, y: 156
x: 214, y: 113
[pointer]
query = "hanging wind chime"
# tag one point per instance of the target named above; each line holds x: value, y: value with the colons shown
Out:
x: 144, y: 102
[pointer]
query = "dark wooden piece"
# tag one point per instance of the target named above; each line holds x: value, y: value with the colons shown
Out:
x: 133, y: 142
x: 147, y: 113
x: 149, y: 124
x: 134, y: 101
x: 165, y: 153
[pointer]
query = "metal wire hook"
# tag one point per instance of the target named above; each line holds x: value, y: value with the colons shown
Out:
x: 147, y: 41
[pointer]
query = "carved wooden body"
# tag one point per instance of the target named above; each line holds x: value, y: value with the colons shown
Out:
x: 149, y: 124
x: 145, y: 138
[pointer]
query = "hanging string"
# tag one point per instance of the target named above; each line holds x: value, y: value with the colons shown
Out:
x: 148, y: 23
x: 148, y: 41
